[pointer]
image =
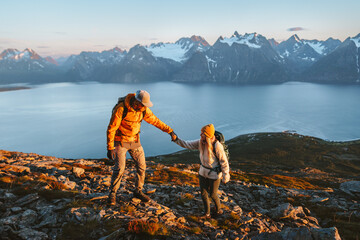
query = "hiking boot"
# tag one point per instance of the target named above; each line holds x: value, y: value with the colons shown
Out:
x: 142, y: 196
x: 111, y: 199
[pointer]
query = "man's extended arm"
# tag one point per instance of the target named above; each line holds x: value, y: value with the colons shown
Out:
x: 153, y: 120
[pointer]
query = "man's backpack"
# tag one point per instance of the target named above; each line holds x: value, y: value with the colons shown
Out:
x: 220, y: 137
x: 120, y: 100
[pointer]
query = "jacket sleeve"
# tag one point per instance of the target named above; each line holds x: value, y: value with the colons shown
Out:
x: 150, y: 118
x: 114, y: 125
x: 224, y: 163
x: 188, y: 144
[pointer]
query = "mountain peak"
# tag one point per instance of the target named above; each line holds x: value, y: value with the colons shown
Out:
x: 117, y: 49
x: 295, y: 37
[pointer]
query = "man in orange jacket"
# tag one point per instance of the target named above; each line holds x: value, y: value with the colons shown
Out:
x: 123, y: 136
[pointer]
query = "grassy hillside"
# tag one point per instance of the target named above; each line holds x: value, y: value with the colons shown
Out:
x: 286, y: 154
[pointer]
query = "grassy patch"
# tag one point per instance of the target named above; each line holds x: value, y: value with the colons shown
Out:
x: 185, y: 198
x: 196, y: 230
x: 275, y: 180
x: 173, y: 175
x: 128, y: 209
x: 147, y: 228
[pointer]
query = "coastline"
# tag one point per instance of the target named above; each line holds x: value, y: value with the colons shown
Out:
x: 6, y: 89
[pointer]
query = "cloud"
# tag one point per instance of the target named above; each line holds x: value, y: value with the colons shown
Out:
x: 294, y: 29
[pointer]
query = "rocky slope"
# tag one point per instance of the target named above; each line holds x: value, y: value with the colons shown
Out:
x: 45, y: 197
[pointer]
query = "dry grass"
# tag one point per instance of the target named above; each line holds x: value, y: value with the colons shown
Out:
x: 147, y: 228
x: 173, y: 175
x: 185, y: 197
x: 196, y: 230
x: 128, y: 209
x: 275, y: 180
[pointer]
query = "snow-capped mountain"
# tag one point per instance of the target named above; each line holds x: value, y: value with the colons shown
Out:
x: 16, y: 55
x: 86, y: 63
x: 323, y: 47
x: 27, y: 66
x: 237, y: 59
x: 138, y: 65
x: 341, y: 65
x: 27, y: 60
x: 252, y: 40
x: 247, y: 58
x: 301, y: 54
x: 181, y: 50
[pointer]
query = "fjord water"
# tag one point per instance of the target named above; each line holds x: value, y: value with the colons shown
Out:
x: 70, y: 120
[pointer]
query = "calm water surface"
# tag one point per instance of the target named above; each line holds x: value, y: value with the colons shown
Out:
x: 70, y: 120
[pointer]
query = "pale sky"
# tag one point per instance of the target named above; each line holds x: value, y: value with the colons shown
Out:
x: 63, y: 27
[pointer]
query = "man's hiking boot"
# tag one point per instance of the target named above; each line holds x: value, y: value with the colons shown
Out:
x: 111, y: 199
x: 142, y: 196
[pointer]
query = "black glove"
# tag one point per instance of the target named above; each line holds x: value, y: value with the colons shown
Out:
x: 174, y: 137
x: 110, y: 154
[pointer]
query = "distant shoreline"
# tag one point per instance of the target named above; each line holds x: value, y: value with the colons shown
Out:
x: 5, y: 89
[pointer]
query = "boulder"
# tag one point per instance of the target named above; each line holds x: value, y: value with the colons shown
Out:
x: 325, y: 233
x: 28, y: 217
x: 286, y: 210
x: 78, y: 171
x: 352, y: 187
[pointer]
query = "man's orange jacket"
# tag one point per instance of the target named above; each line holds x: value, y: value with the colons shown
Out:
x: 128, y: 129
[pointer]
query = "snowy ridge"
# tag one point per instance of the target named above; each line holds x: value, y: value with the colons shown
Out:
x: 356, y: 41
x: 250, y: 40
x: 316, y: 45
x: 213, y: 63
x: 14, y: 54
x: 172, y: 51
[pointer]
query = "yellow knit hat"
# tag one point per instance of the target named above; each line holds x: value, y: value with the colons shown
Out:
x: 208, y: 130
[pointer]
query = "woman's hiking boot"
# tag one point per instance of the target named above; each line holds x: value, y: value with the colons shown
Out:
x: 111, y: 199
x: 142, y: 196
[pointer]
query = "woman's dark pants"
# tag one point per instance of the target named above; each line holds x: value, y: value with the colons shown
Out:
x: 209, y: 187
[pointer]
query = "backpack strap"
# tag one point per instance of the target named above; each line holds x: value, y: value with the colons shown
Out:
x: 216, y: 169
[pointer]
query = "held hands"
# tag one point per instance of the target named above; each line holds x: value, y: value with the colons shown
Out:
x: 174, y: 137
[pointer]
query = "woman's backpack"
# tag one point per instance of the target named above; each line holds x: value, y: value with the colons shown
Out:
x: 220, y: 137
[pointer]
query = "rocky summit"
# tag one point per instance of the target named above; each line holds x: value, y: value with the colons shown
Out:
x: 44, y: 197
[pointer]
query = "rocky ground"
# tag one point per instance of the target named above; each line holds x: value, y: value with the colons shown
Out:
x: 45, y: 197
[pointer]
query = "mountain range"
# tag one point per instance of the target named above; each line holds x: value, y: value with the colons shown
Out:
x: 239, y: 59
